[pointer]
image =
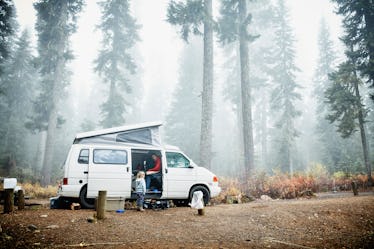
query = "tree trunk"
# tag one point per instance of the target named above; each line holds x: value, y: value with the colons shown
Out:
x: 49, y: 150
x: 264, y: 132
x: 361, y: 123
x: 40, y: 153
x: 57, y: 77
x: 207, y: 95
x: 245, y: 92
x: 237, y: 171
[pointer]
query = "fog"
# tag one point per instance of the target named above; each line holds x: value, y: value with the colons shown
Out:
x: 167, y: 86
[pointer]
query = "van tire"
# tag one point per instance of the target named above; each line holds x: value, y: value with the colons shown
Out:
x: 88, y: 203
x: 206, y: 194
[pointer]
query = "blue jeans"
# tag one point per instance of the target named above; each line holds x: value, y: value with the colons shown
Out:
x: 140, y: 200
x: 148, y: 180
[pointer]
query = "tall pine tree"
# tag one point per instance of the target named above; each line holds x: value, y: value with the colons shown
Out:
x: 56, y: 22
x: 233, y: 27
x: 190, y: 15
x: 19, y: 83
x: 331, y: 151
x: 345, y: 101
x: 115, y: 63
x: 284, y: 93
x: 183, y: 120
x: 8, y: 26
x: 359, y: 26
x: 260, y: 24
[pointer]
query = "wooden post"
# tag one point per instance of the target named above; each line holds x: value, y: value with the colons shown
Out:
x: 21, y: 200
x: 8, y: 201
x: 354, y: 187
x: 201, y: 211
x: 101, y: 201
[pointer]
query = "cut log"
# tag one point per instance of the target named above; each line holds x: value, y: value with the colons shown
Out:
x: 201, y: 211
x: 354, y: 188
x: 21, y: 200
x: 8, y: 200
x: 101, y: 201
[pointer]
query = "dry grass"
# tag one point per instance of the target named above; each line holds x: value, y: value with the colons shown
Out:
x: 37, y: 191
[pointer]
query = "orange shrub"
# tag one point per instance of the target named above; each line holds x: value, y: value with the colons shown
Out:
x: 283, y: 186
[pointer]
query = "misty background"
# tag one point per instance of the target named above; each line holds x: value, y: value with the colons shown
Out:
x: 293, y: 47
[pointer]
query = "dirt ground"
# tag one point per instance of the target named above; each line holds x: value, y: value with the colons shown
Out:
x: 329, y: 221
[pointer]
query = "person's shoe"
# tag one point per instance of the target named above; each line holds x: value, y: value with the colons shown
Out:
x: 141, y: 209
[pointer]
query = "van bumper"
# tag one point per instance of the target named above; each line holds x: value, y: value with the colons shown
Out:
x: 214, y: 191
x: 69, y: 190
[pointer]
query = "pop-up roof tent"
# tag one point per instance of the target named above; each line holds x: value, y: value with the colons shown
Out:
x: 145, y: 133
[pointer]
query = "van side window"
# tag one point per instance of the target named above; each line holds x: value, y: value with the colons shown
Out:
x: 105, y: 156
x: 83, y: 156
x: 177, y: 160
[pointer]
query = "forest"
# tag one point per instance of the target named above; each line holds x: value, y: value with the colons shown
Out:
x: 240, y: 103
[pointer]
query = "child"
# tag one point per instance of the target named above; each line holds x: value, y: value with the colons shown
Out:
x: 140, y: 190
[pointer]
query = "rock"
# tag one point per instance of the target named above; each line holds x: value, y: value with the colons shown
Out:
x: 7, y: 237
x: 307, y: 194
x: 44, y: 216
x: 52, y: 227
x: 92, y: 219
x: 247, y: 198
x: 32, y: 227
x: 265, y: 198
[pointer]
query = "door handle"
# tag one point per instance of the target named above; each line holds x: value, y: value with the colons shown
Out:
x: 127, y: 169
x: 85, y: 172
x: 166, y: 171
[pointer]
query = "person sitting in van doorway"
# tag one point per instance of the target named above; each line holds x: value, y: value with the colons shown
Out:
x: 151, y: 172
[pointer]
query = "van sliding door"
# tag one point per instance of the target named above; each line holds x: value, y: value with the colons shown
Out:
x: 109, y: 170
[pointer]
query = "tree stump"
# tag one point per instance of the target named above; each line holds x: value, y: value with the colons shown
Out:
x: 8, y: 201
x: 101, y: 202
x: 354, y: 188
x: 21, y: 200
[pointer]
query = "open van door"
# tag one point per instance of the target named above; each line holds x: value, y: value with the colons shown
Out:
x: 110, y: 170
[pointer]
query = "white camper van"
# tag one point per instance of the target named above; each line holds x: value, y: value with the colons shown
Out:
x: 110, y: 159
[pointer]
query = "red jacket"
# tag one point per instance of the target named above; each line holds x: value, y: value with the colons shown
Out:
x: 157, y: 166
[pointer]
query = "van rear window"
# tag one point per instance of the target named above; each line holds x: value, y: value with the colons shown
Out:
x: 83, y: 156
x: 105, y: 156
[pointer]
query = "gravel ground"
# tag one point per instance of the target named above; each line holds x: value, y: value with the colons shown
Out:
x: 337, y: 221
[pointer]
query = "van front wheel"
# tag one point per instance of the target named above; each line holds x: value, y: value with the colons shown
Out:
x: 86, y: 202
x: 206, y: 194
